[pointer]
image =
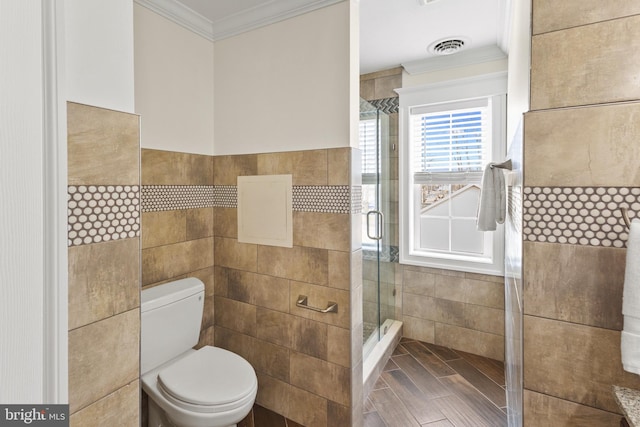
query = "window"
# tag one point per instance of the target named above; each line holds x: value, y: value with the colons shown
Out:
x: 445, y: 147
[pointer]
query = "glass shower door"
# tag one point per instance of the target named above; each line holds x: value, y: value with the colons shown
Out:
x: 373, y: 140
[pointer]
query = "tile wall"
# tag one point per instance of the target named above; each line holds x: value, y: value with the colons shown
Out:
x: 581, y: 165
x: 464, y: 311
x: 309, y: 367
x: 104, y: 267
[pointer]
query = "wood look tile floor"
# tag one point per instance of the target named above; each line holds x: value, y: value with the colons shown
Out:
x: 425, y: 385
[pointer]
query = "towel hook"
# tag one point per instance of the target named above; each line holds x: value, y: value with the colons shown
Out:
x: 625, y: 216
x: 504, y: 165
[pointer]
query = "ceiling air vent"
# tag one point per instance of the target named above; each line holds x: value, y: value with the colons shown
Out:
x: 447, y: 47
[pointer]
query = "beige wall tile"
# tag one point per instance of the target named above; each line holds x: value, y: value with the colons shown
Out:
x: 384, y: 86
x: 574, y: 362
x: 208, y: 318
x: 227, y: 169
x: 310, y: 337
x: 339, y: 166
x: 104, y: 280
x: 307, y: 409
x: 207, y: 277
x: 479, y: 292
x: 225, y: 222
x: 550, y: 15
x: 469, y: 316
x: 103, y: 146
x: 103, y: 357
x: 297, y: 263
x: 469, y: 340
x: 165, y: 262
x: 275, y: 327
x: 258, y: 289
x: 163, y: 228
x: 322, y: 230
x: 221, y: 281
x: 418, y: 329
x: 273, y: 394
x: 339, y: 269
x: 565, y: 71
x: 549, y: 411
x: 319, y: 296
x: 233, y: 254
x: 310, y: 167
x: 207, y: 337
x: 120, y: 408
x: 199, y: 223
x: 367, y: 89
x: 174, y: 168
x: 418, y: 282
x: 338, y: 415
x: 235, y: 315
x: 270, y: 359
x: 591, y: 146
x: 275, y: 163
x: 420, y: 306
x: 322, y: 378
x: 236, y: 342
x: 339, y: 345
x: 578, y: 284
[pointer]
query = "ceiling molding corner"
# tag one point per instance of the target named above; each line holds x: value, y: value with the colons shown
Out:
x: 237, y: 23
x: 264, y: 15
x: 177, y: 12
x: 465, y: 58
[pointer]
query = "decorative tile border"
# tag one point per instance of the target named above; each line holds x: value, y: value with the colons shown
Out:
x: 322, y: 198
x: 588, y: 216
x: 356, y: 200
x: 170, y: 197
x: 387, y: 105
x: 311, y: 198
x: 100, y: 213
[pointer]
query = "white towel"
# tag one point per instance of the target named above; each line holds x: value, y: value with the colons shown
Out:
x: 630, y: 340
x: 493, y: 206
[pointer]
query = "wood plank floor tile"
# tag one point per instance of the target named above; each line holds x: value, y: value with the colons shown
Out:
x: 390, y: 365
x: 459, y: 413
x: 425, y: 381
x: 423, y: 409
x: 494, y: 369
x: 480, y: 381
x: 429, y: 360
x: 399, y: 350
x: 480, y: 405
x: 380, y: 384
x: 368, y: 406
x: 441, y: 423
x: 372, y: 419
x: 443, y: 353
x: 392, y: 410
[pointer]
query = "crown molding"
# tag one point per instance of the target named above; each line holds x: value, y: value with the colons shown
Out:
x: 246, y: 20
x: 464, y: 58
x: 180, y: 14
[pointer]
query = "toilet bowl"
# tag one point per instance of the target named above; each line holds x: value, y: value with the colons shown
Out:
x: 209, y: 387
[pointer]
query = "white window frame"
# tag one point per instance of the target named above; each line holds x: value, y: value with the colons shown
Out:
x: 492, y: 85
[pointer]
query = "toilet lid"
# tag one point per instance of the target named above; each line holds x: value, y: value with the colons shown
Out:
x: 210, y: 376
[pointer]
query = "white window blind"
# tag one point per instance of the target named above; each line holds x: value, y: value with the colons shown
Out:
x: 450, y: 143
x: 368, y: 145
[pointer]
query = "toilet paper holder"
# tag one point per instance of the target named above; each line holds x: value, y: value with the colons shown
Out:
x: 302, y: 301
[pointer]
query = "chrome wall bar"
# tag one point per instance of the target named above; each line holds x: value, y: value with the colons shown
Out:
x: 332, y: 307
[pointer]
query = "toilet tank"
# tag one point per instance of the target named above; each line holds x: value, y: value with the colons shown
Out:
x: 170, y: 319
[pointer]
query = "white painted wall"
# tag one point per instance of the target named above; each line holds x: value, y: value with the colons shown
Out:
x: 519, y: 65
x: 99, y: 53
x: 173, y: 85
x: 22, y: 210
x: 287, y: 86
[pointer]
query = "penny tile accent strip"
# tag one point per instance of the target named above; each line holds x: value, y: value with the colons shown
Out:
x: 327, y: 198
x: 100, y: 213
x: 588, y: 216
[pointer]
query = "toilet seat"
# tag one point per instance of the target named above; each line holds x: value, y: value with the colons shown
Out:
x: 208, y: 380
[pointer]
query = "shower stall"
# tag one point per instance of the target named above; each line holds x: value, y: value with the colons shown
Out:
x: 379, y: 230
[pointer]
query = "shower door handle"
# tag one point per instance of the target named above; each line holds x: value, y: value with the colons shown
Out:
x: 379, y: 228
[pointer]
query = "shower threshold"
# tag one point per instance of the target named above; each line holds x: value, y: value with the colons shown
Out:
x: 378, y: 353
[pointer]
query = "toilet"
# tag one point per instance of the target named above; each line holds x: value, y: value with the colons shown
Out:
x: 209, y: 387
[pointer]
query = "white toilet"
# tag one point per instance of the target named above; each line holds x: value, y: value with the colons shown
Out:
x: 209, y: 387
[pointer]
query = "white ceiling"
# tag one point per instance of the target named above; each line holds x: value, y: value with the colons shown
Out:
x: 392, y: 32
